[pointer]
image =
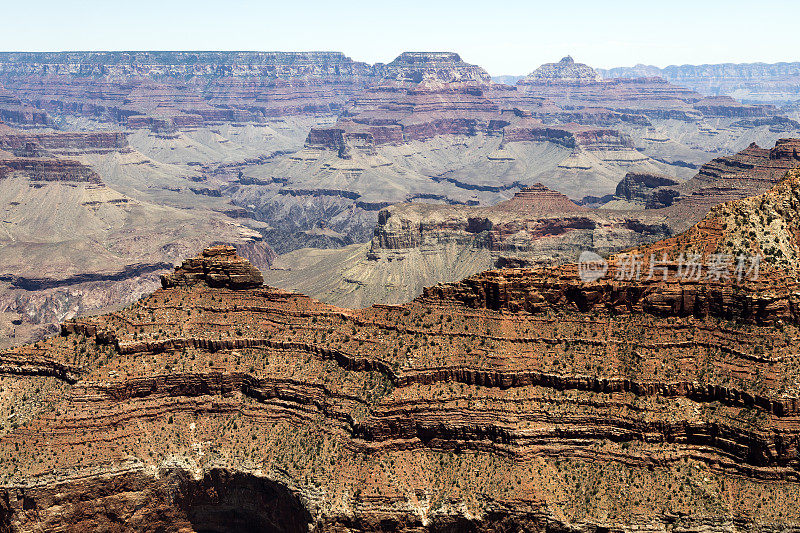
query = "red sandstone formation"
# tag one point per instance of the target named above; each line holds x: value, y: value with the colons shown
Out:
x: 513, y: 400
x: 31, y: 154
x: 537, y: 226
x: 13, y: 110
x: 422, y: 95
x: 538, y: 200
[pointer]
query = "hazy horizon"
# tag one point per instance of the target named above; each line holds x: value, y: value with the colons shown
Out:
x: 511, y: 39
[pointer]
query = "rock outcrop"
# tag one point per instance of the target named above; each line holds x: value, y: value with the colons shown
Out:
x: 536, y: 227
x: 649, y: 190
x: 515, y: 399
x: 64, y: 143
x: 218, y: 266
x: 13, y: 110
x: 570, y: 135
x: 415, y: 245
x: 749, y: 172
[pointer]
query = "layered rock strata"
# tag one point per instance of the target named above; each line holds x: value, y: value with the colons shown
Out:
x: 444, y: 67
x: 415, y: 245
x: 516, y: 399
x: 776, y: 84
x: 537, y: 226
x: 218, y: 266
x: 64, y: 143
x: 749, y: 172
x: 193, y: 88
x: 72, y: 244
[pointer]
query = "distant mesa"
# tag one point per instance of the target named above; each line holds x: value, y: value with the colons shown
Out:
x: 538, y: 200
x: 566, y: 70
x: 445, y: 67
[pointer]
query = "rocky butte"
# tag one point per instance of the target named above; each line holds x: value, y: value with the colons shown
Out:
x: 516, y: 399
x: 446, y: 67
x: 578, y: 85
x: 565, y: 70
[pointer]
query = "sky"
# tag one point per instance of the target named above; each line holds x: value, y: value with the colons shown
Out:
x: 505, y: 37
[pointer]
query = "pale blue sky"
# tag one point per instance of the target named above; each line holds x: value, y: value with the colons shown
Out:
x: 505, y: 37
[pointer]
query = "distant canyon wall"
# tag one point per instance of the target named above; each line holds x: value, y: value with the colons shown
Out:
x: 776, y: 83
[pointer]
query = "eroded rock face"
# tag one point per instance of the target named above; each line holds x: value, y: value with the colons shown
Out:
x: 72, y: 244
x: 725, y: 106
x: 752, y: 171
x: 639, y: 187
x: 632, y: 100
x: 65, y: 143
x: 570, y: 135
x: 415, y: 245
x: 513, y: 400
x: 222, y: 501
x: 217, y: 266
x: 48, y: 169
x: 13, y: 110
x: 763, y: 226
